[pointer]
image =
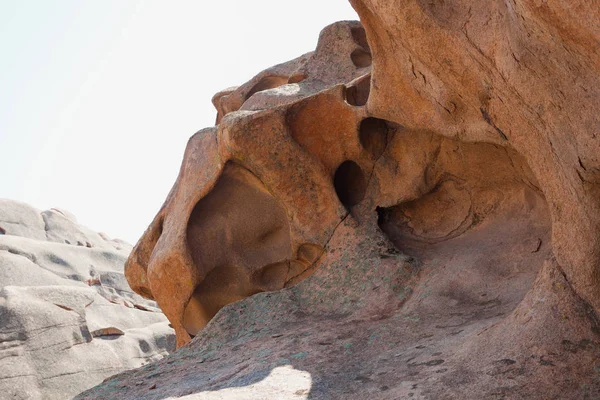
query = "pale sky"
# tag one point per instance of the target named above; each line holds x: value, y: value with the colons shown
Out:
x: 99, y: 97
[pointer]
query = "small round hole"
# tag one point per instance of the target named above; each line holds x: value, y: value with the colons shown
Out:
x: 361, y: 58
x: 360, y: 37
x: 266, y: 83
x: 358, y: 93
x: 350, y: 184
x: 373, y: 133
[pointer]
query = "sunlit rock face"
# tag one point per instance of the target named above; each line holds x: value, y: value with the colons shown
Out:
x: 255, y: 202
x: 68, y: 318
x: 428, y: 191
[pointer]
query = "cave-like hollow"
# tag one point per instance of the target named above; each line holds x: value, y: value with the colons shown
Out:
x: 477, y: 222
x: 239, y: 240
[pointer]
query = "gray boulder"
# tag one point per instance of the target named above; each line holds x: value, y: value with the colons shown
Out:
x: 68, y: 318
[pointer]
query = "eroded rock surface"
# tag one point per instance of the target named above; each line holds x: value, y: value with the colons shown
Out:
x: 433, y: 182
x: 237, y: 221
x: 68, y: 318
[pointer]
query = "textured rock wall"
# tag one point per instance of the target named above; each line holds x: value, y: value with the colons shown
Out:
x: 214, y: 240
x: 521, y: 74
x: 68, y: 318
x: 434, y: 181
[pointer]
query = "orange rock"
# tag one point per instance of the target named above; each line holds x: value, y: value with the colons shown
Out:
x: 523, y: 75
x: 435, y: 216
x: 469, y: 111
x: 255, y: 201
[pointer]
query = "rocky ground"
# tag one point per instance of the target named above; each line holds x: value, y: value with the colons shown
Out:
x: 68, y: 318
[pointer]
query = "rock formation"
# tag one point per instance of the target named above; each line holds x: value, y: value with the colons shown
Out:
x: 427, y: 188
x: 68, y: 318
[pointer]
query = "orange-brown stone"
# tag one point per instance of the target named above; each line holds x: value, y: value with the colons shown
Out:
x: 438, y: 174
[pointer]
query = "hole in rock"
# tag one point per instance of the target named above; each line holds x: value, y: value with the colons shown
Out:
x: 296, y: 78
x: 480, y: 228
x: 357, y: 94
x: 266, y: 83
x: 361, y: 58
x: 373, y: 135
x: 2, y: 231
x: 159, y: 229
x: 360, y: 37
x: 350, y: 183
x: 235, y: 233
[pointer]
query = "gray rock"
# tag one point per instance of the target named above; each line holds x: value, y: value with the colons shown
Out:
x: 21, y: 219
x: 68, y: 318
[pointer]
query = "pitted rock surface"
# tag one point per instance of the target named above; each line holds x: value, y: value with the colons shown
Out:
x: 433, y: 182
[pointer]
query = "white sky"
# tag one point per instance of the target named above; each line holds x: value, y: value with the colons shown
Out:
x: 99, y: 97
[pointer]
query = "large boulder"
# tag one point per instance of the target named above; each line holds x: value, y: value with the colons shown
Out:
x: 68, y: 318
x: 426, y: 192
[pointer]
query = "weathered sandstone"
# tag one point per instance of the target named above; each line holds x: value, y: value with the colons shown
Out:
x: 427, y: 190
